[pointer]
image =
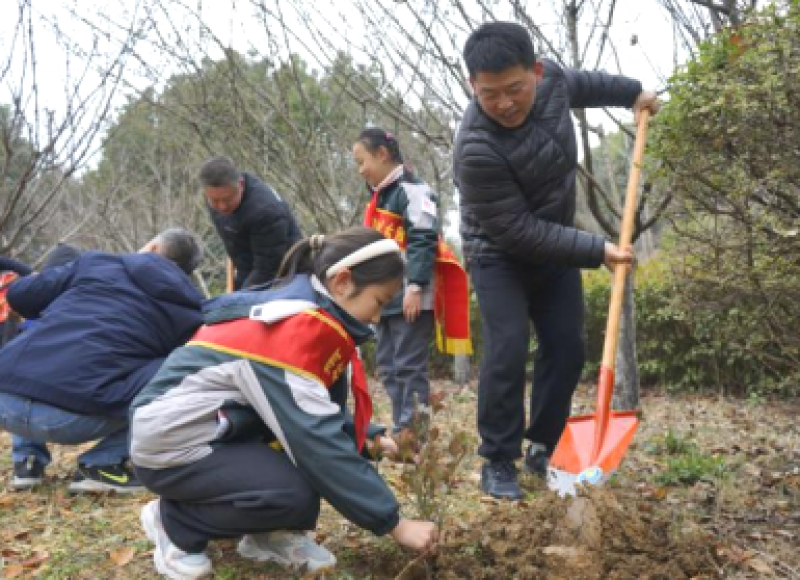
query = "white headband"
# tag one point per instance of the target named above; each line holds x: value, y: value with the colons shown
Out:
x: 368, y: 252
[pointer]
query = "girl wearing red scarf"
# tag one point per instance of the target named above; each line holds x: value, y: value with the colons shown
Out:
x: 434, y: 296
x: 245, y: 428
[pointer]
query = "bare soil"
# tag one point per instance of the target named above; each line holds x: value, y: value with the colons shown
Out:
x: 740, y: 522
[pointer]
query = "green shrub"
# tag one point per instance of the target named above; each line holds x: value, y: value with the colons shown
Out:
x: 680, y: 348
x: 668, y: 353
x: 725, y: 150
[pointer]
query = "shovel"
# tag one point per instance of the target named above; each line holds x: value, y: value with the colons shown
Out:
x: 592, y: 446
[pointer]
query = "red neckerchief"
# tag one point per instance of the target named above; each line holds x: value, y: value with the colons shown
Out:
x: 372, y: 206
x: 363, y: 402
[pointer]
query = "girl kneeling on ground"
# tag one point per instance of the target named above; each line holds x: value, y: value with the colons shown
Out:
x: 245, y: 428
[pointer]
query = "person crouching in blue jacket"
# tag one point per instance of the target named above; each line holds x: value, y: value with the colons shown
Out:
x: 106, y: 322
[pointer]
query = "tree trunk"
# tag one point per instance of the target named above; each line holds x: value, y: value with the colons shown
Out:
x: 626, y: 376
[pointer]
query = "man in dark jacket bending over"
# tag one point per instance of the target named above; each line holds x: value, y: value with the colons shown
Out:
x: 254, y: 223
x: 515, y: 163
x: 106, y: 322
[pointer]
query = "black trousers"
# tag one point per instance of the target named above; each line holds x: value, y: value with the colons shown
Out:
x: 512, y: 295
x: 241, y: 488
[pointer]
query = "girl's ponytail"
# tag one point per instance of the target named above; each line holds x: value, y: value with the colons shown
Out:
x: 316, y: 254
x: 296, y: 261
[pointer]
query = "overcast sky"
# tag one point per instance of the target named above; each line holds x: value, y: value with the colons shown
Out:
x: 641, y: 34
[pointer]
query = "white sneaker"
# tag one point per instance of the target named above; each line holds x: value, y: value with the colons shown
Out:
x: 170, y: 560
x: 294, y: 549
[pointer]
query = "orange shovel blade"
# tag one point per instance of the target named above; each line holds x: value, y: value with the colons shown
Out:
x: 573, y: 454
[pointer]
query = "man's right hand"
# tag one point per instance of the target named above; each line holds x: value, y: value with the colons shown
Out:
x: 646, y: 100
x: 615, y: 255
x: 417, y: 535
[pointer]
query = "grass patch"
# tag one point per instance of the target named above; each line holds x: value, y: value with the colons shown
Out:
x: 671, y: 443
x: 691, y: 468
x: 685, y: 463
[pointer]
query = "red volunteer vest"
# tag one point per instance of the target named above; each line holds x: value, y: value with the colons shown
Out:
x: 311, y: 343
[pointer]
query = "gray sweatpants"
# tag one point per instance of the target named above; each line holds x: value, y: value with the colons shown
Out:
x: 402, y: 357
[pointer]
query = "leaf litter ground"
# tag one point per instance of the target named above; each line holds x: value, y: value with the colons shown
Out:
x: 742, y: 521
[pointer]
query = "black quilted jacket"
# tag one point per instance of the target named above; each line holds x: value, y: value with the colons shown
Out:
x: 257, y: 234
x: 517, y: 186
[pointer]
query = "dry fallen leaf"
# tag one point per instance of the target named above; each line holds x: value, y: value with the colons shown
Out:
x: 122, y: 556
x: 36, y: 559
x: 736, y: 555
x: 563, y: 551
x: 351, y: 542
x: 13, y: 571
x: 16, y: 535
x: 760, y: 566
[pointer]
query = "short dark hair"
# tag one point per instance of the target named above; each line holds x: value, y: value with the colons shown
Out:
x: 219, y: 171
x: 496, y: 46
x: 182, y: 247
x: 373, y: 138
x: 61, y: 255
x: 315, y: 254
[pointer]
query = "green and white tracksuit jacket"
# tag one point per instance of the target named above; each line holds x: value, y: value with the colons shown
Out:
x: 279, y: 355
x: 406, y: 211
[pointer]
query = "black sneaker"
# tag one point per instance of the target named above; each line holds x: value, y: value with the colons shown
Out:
x: 499, y: 479
x: 27, y: 474
x: 97, y: 479
x: 536, y: 460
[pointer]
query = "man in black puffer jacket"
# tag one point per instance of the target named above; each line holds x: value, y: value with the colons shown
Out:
x: 254, y: 223
x: 514, y: 164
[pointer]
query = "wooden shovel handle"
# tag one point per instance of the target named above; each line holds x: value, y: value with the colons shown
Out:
x: 229, y: 276
x: 625, y: 236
